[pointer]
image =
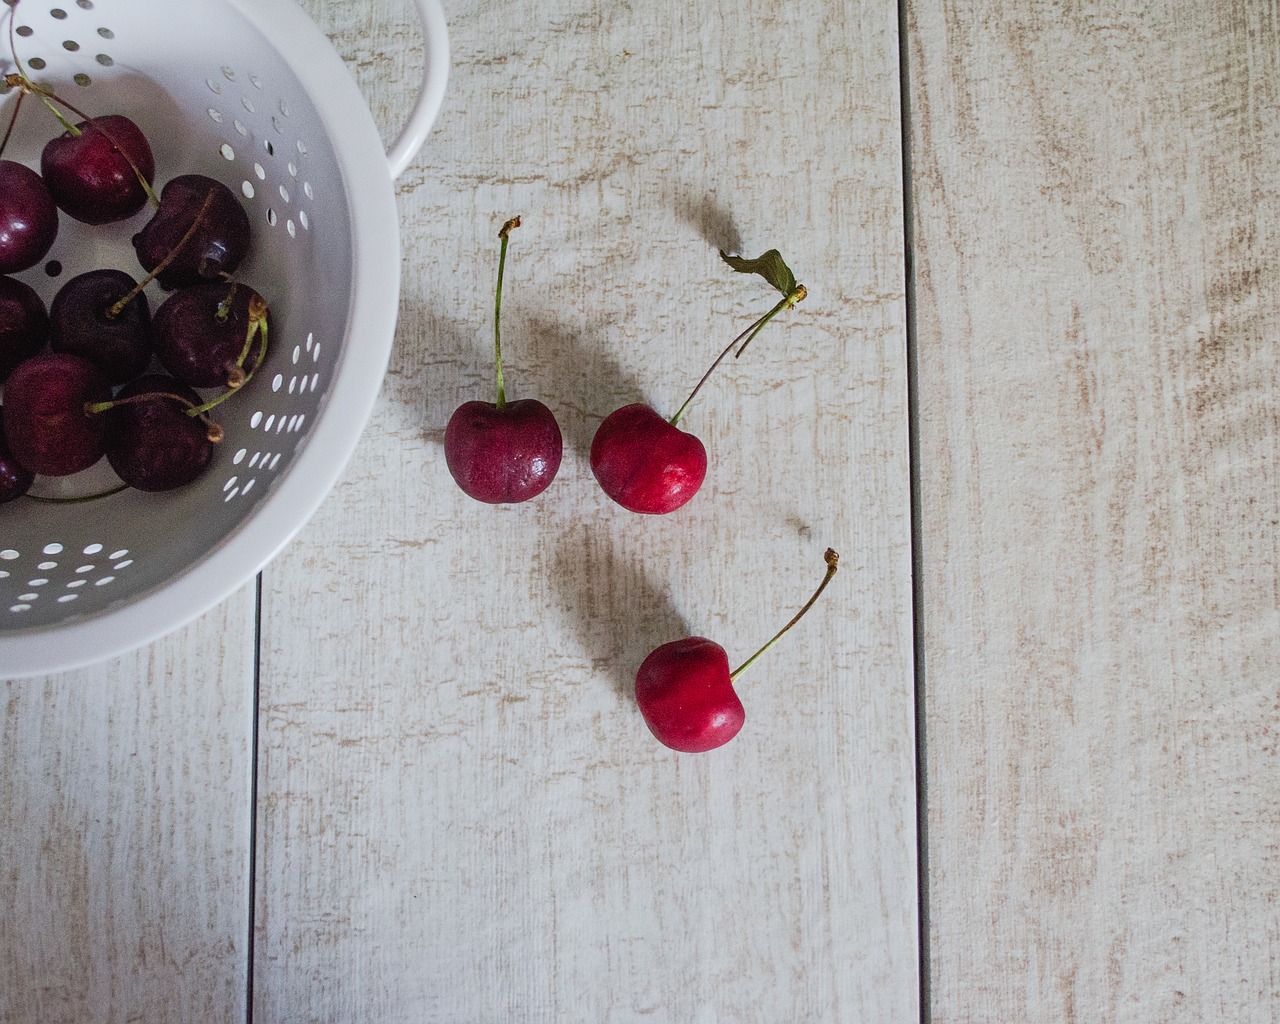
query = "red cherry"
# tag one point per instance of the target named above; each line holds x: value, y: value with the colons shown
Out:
x: 500, y: 455
x: 645, y: 463
x: 502, y: 451
x: 684, y: 689
x: 686, y: 695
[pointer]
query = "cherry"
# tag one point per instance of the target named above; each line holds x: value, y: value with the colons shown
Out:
x: 46, y: 420
x: 28, y: 218
x: 24, y: 324
x: 505, y: 451
x: 647, y: 463
x: 15, y: 478
x: 99, y: 171
x: 154, y: 442
x: 685, y: 690
x: 103, y: 316
x: 205, y: 334
x: 199, y: 233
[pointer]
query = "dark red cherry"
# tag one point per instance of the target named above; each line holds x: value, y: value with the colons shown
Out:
x: 152, y: 444
x: 199, y: 233
x: 24, y: 324
x: 28, y: 218
x: 15, y: 478
x: 200, y: 333
x: 48, y: 427
x: 93, y: 175
x: 85, y: 320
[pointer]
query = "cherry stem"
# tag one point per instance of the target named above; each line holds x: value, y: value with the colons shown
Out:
x: 236, y: 376
x: 503, y: 233
x: 833, y: 560
x: 136, y: 290
x: 224, y: 307
x: 743, y: 339
x: 22, y: 93
x: 12, y: 121
x: 214, y: 432
x: 22, y: 81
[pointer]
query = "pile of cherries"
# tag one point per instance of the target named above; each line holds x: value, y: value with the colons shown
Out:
x: 97, y: 373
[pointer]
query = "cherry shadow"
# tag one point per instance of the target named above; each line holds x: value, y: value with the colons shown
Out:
x: 581, y: 381
x: 619, y: 611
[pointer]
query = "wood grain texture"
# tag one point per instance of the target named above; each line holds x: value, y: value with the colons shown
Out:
x: 463, y: 817
x: 1098, y: 308
x: 124, y: 832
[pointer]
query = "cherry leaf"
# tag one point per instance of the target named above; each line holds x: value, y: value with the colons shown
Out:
x: 770, y: 266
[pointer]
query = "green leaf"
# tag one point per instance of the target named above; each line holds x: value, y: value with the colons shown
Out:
x: 770, y: 266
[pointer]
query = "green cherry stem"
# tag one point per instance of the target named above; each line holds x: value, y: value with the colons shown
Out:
x: 833, y: 560
x: 236, y: 375
x: 503, y: 234
x: 741, y: 342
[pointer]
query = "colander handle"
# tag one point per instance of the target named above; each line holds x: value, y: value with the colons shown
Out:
x: 435, y: 33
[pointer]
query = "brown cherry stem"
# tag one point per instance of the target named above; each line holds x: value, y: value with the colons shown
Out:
x: 743, y: 339
x: 833, y: 560
x: 12, y: 121
x: 213, y: 431
x: 136, y: 290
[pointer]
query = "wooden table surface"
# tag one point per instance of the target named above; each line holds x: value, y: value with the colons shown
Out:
x: 1020, y: 763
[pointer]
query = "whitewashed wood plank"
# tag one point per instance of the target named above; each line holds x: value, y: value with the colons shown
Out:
x: 463, y: 816
x: 1098, y: 308
x: 124, y: 832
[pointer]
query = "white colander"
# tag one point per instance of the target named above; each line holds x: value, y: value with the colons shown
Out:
x: 249, y: 92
